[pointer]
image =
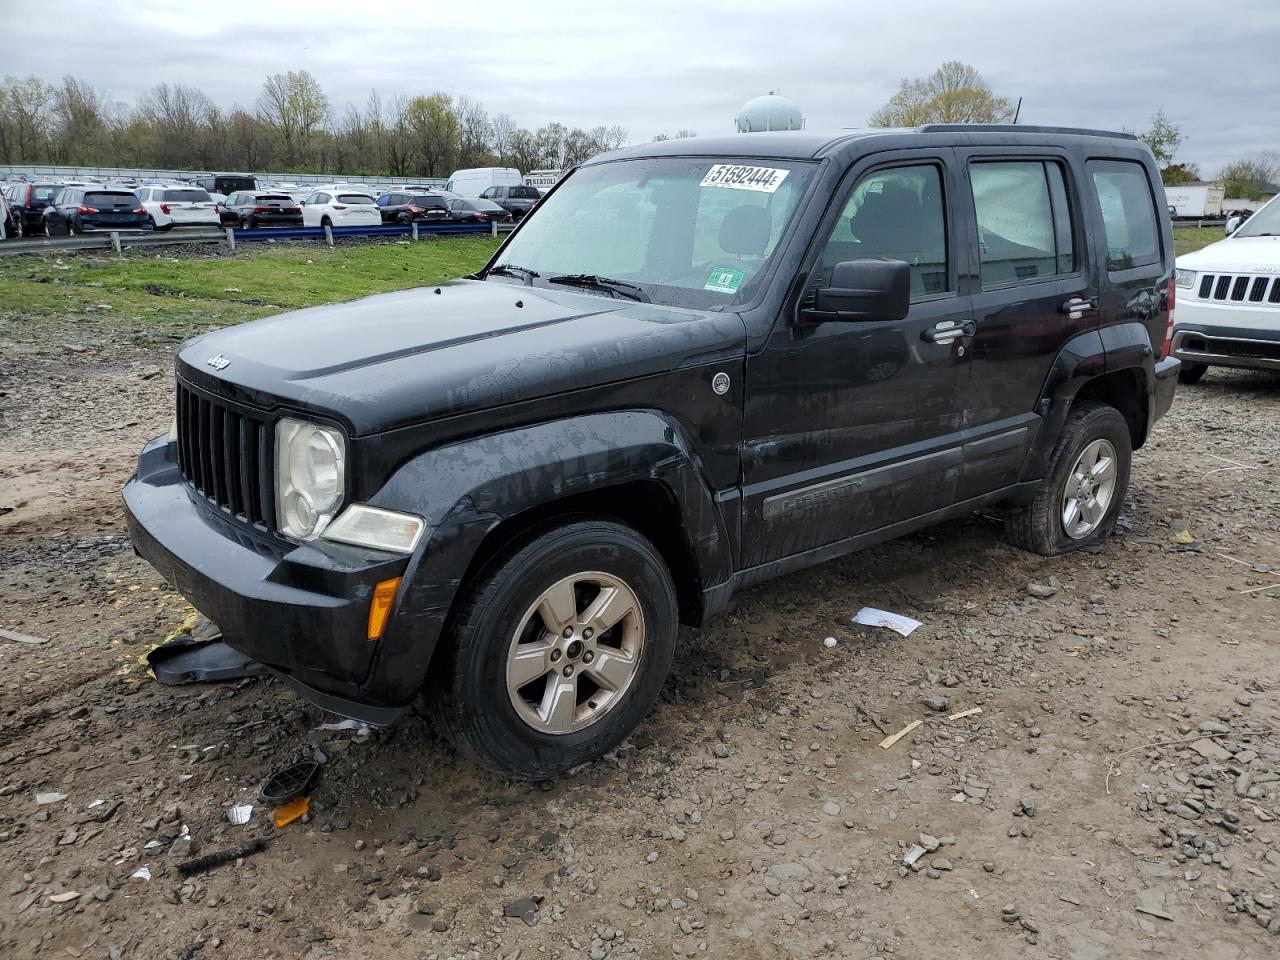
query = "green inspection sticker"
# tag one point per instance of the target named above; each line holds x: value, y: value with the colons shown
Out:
x: 724, y: 280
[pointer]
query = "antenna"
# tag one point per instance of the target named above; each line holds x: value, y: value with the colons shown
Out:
x: 1018, y: 110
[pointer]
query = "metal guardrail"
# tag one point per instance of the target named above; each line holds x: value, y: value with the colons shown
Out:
x: 117, y: 240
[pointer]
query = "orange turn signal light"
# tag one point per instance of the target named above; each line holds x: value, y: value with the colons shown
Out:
x: 384, y: 595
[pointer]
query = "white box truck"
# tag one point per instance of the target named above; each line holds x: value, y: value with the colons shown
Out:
x: 1195, y: 200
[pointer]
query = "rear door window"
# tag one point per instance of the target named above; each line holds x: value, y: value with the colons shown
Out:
x: 1128, y: 213
x: 1024, y: 223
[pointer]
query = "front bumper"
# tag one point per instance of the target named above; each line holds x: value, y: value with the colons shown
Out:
x: 1252, y: 348
x: 1230, y: 333
x: 300, y: 610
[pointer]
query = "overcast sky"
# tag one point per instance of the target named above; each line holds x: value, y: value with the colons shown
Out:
x: 657, y: 66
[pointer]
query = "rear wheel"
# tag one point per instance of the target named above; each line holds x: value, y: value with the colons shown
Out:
x: 558, y: 650
x: 326, y: 222
x: 1078, y: 501
x: 1192, y: 372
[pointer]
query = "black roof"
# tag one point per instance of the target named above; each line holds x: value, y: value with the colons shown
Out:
x: 813, y: 145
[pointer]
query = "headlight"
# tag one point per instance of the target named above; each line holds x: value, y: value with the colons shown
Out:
x: 366, y: 526
x: 1184, y: 278
x: 310, y: 466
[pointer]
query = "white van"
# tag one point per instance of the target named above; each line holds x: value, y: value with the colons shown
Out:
x: 472, y: 183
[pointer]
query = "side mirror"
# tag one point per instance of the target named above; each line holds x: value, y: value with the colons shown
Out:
x: 861, y: 290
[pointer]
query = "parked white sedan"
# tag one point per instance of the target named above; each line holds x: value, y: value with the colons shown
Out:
x: 171, y: 207
x: 340, y: 209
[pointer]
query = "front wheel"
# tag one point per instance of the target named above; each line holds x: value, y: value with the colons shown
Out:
x: 1192, y: 372
x: 557, y: 651
x: 1078, y: 501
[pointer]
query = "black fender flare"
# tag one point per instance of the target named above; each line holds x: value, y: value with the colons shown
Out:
x: 467, y: 489
x: 1084, y: 358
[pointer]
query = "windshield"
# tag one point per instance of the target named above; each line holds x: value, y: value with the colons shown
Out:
x: 1264, y: 223
x: 688, y: 231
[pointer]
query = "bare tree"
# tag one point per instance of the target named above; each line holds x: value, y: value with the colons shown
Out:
x: 954, y: 93
x: 500, y: 130
x: 177, y: 117
x: 474, y: 132
x: 1251, y: 178
x: 296, y: 108
x: 24, y: 119
x: 523, y: 152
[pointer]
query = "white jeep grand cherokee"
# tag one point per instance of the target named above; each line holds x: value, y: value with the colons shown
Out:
x: 1228, y: 306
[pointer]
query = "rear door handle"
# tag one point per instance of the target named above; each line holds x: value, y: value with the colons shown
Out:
x: 1078, y: 306
x: 946, y: 331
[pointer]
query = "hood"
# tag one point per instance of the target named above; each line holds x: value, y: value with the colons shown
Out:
x: 398, y: 359
x: 1235, y: 255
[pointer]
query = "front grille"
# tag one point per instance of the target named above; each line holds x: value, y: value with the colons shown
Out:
x: 225, y: 455
x: 1239, y: 288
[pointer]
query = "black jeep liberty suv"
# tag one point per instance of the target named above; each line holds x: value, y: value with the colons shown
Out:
x: 696, y: 365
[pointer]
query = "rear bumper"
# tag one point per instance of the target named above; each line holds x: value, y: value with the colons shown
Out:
x: 1252, y: 348
x: 300, y: 610
x: 1164, y: 386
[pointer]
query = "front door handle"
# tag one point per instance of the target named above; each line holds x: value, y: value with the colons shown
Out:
x: 1079, y: 306
x: 946, y: 331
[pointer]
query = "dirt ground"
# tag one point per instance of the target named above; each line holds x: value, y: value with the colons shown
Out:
x: 1118, y: 794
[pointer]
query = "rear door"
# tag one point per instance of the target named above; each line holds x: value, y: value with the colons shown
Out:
x: 1034, y: 289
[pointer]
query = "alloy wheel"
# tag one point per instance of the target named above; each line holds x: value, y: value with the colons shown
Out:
x: 576, y: 652
x: 1090, y: 487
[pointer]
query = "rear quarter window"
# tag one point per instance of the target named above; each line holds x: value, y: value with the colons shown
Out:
x: 1128, y: 213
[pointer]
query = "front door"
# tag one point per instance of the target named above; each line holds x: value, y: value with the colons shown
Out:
x: 849, y: 427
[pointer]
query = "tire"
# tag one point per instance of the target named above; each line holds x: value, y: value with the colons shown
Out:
x: 470, y: 691
x: 326, y: 222
x: 1041, y: 525
x: 1192, y: 372
x: 246, y: 223
x: 48, y: 230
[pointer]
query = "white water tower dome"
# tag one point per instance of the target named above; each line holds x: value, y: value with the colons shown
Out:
x: 770, y: 112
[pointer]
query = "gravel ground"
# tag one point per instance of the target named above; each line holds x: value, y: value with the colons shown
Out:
x: 1117, y: 795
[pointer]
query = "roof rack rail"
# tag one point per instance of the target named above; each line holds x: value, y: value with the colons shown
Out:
x: 1020, y: 128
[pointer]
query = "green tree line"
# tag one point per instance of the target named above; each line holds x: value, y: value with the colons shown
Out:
x: 292, y: 127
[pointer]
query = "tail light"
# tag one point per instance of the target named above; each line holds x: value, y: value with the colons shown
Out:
x: 164, y: 208
x: 415, y: 209
x: 86, y: 209
x: 1168, y: 327
x: 260, y: 209
x: 482, y: 216
x: 142, y: 210
x: 298, y: 209
x: 338, y: 206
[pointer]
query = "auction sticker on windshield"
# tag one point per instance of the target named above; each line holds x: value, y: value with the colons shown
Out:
x: 737, y: 177
x: 724, y: 280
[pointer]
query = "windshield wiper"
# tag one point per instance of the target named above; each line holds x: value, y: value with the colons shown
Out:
x: 620, y: 287
x: 511, y: 270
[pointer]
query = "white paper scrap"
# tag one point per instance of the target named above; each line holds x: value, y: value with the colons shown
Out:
x: 142, y: 873
x: 871, y: 617
x: 240, y: 813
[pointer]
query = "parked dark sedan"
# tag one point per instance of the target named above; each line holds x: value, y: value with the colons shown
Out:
x: 26, y: 204
x: 477, y: 210
x: 517, y: 200
x: 86, y: 209
x: 408, y: 207
x: 251, y: 210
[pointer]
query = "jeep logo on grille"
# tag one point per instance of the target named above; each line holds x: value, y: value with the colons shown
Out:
x: 219, y: 362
